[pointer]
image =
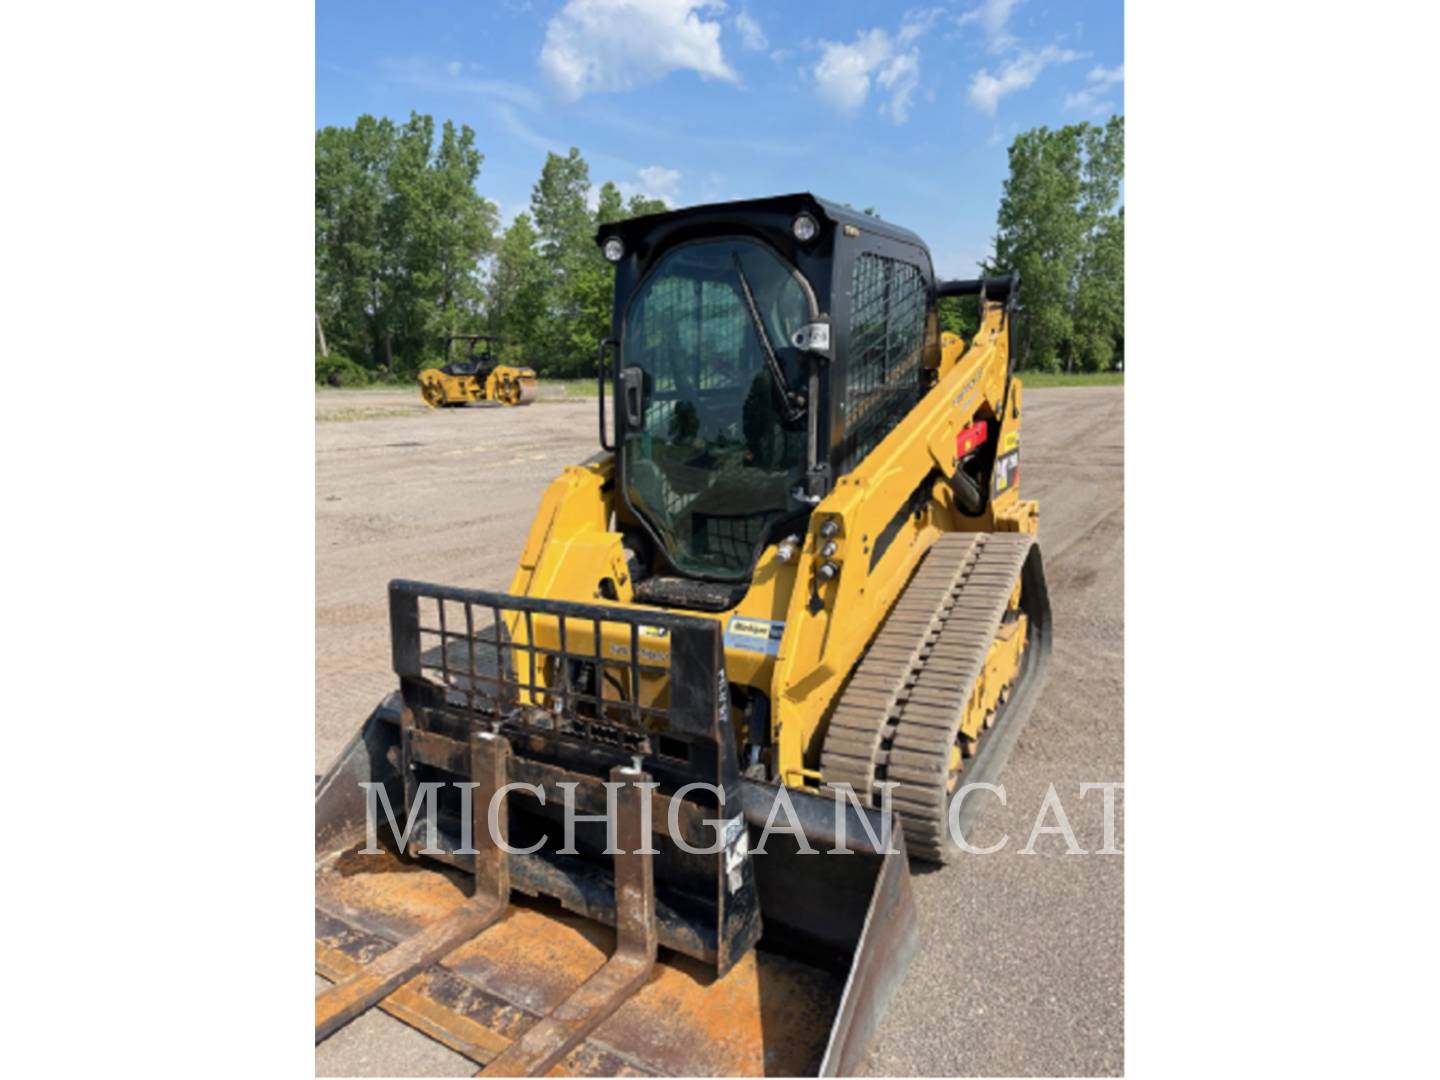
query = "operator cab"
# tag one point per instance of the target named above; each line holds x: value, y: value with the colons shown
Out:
x: 476, y: 362
x: 761, y: 349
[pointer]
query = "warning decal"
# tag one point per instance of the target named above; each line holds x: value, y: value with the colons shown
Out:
x: 1007, y: 471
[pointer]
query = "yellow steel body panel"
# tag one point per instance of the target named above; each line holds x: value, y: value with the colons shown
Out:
x: 571, y: 550
x: 1001, y: 666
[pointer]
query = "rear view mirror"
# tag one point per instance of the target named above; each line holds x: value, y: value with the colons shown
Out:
x: 632, y: 397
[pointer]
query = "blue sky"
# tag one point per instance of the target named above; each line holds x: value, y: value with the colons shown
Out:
x: 905, y: 108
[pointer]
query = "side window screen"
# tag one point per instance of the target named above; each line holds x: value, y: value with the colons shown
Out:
x: 887, y: 335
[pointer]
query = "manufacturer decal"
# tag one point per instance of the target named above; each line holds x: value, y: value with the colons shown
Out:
x: 655, y: 656
x: 658, y: 634
x: 960, y: 399
x: 754, y: 635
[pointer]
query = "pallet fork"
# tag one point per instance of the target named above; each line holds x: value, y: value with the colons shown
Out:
x: 724, y: 963
x: 548, y: 1041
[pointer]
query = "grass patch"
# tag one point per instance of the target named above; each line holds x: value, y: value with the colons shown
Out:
x: 1079, y: 378
x: 568, y: 388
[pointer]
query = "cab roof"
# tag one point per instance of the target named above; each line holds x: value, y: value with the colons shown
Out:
x: 774, y: 208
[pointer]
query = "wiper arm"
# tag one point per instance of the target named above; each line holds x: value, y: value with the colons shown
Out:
x: 789, y: 407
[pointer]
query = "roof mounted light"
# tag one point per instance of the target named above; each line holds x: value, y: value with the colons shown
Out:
x: 614, y: 249
x: 804, y: 228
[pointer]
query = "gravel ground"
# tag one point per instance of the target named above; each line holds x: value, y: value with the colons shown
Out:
x: 1021, y: 965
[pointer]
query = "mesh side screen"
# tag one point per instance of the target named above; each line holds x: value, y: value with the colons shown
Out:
x: 887, y: 333
x: 596, y: 679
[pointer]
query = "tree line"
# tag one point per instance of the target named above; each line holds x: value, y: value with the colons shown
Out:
x: 1061, y: 225
x: 408, y: 252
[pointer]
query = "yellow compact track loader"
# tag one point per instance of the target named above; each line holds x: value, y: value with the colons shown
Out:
x: 752, y: 651
x: 476, y: 378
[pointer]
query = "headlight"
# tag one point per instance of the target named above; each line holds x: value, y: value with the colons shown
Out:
x: 614, y: 249
x: 804, y: 228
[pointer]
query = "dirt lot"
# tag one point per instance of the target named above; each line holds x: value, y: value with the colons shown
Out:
x: 1021, y: 964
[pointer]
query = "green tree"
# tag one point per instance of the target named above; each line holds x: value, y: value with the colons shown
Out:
x: 400, y: 229
x: 456, y: 228
x: 579, y: 290
x: 1102, y: 171
x: 610, y: 205
x: 566, y: 233
x: 959, y: 315
x: 518, y: 293
x: 557, y: 204
x: 1100, y: 296
x: 1040, y: 236
x: 350, y: 182
x: 1099, y: 306
x: 407, y: 253
x: 640, y: 205
x: 1058, y: 227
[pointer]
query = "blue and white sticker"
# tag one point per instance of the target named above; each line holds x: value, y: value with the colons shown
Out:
x: 754, y: 635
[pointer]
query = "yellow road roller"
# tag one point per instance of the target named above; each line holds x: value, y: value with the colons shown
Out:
x: 477, y: 377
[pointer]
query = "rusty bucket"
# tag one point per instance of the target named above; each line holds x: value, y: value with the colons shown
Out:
x: 570, y: 958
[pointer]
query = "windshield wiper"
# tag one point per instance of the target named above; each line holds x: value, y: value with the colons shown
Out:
x: 792, y: 404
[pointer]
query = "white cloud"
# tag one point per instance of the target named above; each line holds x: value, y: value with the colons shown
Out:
x: 751, y: 36
x: 651, y: 182
x: 609, y: 45
x: 992, y: 15
x: 1088, y: 99
x: 843, y: 74
x: 845, y: 71
x: 917, y: 23
x: 986, y: 89
x: 510, y: 121
x: 1103, y: 76
x: 900, y: 76
x: 456, y: 77
x: 658, y: 182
